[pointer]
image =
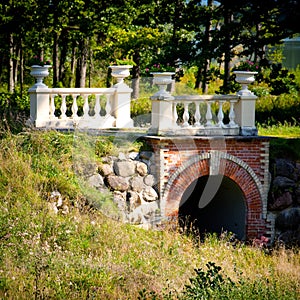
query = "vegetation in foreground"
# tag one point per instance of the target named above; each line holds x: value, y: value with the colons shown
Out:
x: 82, y: 254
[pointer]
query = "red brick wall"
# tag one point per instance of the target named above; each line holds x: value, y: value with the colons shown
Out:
x: 180, y: 161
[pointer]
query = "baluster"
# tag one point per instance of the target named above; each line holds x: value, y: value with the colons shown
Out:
x: 232, y: 114
x: 63, y: 107
x: 52, y: 107
x: 186, y: 115
x: 197, y: 115
x: 208, y: 115
x: 108, y: 105
x: 74, y: 107
x: 86, y: 107
x: 220, y: 114
x: 97, y: 107
x: 175, y: 115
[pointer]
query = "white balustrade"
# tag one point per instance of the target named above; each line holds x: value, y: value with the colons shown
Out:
x: 91, y: 108
x: 195, y: 115
x: 99, y: 108
x: 204, y: 114
x: 74, y: 107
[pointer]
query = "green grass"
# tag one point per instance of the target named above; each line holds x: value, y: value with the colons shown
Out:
x: 86, y: 255
x: 286, y: 130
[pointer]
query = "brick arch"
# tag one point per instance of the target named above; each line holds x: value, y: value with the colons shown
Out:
x: 228, y: 165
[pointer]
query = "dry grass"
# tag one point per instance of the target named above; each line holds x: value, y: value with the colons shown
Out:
x: 85, y: 255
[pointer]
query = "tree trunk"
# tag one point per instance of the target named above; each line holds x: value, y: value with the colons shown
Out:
x: 73, y: 65
x: 16, y: 65
x: 82, y: 64
x: 63, y: 54
x: 203, y: 70
x: 136, y: 72
x: 11, y: 85
x: 90, y: 65
x: 198, y: 82
x: 227, y: 52
x: 21, y: 68
x: 206, y: 64
x: 55, y: 60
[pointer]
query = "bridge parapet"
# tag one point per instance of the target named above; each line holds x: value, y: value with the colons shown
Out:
x: 193, y: 115
x: 103, y: 108
x: 204, y: 114
x: 89, y: 108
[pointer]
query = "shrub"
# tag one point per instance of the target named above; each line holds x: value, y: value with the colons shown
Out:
x: 207, y: 284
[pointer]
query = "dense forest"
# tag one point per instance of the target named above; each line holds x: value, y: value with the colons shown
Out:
x: 83, y: 37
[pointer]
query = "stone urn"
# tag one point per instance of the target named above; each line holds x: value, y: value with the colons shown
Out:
x: 39, y: 73
x: 162, y: 79
x: 120, y: 72
x: 245, y: 78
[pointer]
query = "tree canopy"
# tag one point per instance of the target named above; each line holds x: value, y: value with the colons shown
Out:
x: 82, y: 37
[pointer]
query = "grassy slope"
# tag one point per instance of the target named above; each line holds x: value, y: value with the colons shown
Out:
x: 85, y: 255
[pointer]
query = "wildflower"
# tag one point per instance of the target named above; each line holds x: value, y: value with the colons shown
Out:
x: 158, y: 67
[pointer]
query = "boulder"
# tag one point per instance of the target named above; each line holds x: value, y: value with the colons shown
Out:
x: 124, y: 168
x: 85, y: 169
x: 281, y: 182
x: 149, y: 194
x: 288, y: 219
x: 122, y: 156
x: 143, y: 213
x: 119, y: 199
x: 133, y: 199
x: 285, y: 168
x: 282, y: 201
x: 149, y: 180
x: 141, y: 168
x: 133, y: 155
x: 137, y: 183
x: 96, y: 181
x: 118, y: 183
x: 105, y: 169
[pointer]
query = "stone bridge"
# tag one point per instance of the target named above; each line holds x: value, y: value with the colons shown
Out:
x: 210, y: 165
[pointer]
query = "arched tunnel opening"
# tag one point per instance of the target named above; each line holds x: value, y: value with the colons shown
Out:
x: 213, y: 204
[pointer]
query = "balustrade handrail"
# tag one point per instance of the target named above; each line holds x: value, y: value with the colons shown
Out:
x: 81, y: 91
x: 206, y: 97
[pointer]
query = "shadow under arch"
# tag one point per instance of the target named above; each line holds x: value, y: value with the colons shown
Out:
x: 225, y: 212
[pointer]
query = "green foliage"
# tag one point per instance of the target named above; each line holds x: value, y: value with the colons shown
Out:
x: 285, y: 148
x: 207, y: 283
x: 141, y: 106
x: 272, y: 110
x: 280, y: 80
x: 104, y: 146
x: 14, y: 110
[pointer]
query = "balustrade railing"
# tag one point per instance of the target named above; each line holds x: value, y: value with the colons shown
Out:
x: 91, y: 108
x: 208, y: 114
x: 204, y: 114
x: 81, y: 108
x: 99, y: 108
